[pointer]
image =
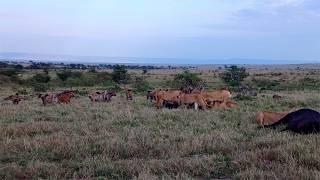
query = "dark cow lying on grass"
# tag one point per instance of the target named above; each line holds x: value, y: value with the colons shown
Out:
x: 303, y: 121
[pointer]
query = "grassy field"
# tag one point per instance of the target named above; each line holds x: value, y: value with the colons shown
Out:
x: 124, y: 140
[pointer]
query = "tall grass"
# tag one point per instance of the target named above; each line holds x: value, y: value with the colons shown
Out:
x: 124, y: 140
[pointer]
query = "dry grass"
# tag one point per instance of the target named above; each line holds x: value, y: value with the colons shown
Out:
x: 122, y: 139
x: 125, y: 140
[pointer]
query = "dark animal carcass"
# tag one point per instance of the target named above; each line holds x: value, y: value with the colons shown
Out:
x: 303, y: 121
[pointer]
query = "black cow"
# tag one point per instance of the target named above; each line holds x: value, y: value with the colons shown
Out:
x: 303, y: 121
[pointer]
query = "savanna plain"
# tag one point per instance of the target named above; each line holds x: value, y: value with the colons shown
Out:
x: 135, y: 140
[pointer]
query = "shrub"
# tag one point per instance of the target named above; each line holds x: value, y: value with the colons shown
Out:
x: 187, y: 79
x: 41, y: 78
x: 233, y: 75
x: 144, y: 71
x: 64, y: 75
x: 120, y: 74
x: 9, y: 72
x: 266, y: 84
x: 22, y: 91
x: 40, y: 87
x: 140, y: 85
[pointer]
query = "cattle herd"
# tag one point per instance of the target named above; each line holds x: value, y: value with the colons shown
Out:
x: 300, y: 121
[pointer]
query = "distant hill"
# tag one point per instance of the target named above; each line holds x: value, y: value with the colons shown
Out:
x: 137, y: 60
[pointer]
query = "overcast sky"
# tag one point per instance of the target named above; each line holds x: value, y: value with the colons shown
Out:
x: 282, y: 30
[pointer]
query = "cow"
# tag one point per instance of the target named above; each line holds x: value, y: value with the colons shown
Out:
x: 267, y: 117
x: 151, y: 95
x: 101, y: 96
x: 14, y: 98
x: 167, y: 95
x: 303, y: 121
x: 129, y: 94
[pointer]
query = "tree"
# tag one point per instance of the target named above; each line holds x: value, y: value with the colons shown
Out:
x: 233, y: 75
x: 187, y: 79
x: 41, y: 78
x: 64, y: 75
x: 144, y: 71
x: 141, y: 85
x: 120, y: 74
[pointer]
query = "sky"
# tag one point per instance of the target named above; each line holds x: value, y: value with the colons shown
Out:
x: 198, y: 31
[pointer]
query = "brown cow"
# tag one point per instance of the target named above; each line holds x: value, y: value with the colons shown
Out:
x: 167, y: 95
x: 267, y: 117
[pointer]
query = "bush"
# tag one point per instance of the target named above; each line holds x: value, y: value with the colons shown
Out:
x: 22, y: 91
x: 64, y: 75
x: 9, y: 72
x: 120, y: 74
x: 40, y: 87
x: 233, y: 75
x: 266, y: 84
x: 140, y: 85
x: 187, y: 79
x: 41, y: 78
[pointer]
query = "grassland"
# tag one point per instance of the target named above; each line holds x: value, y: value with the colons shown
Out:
x: 125, y: 140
